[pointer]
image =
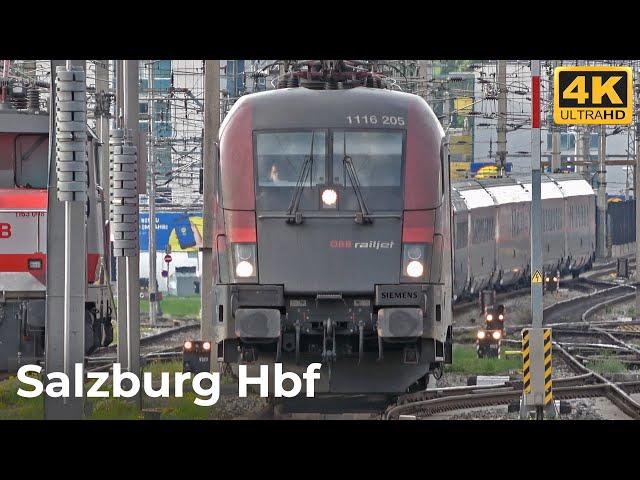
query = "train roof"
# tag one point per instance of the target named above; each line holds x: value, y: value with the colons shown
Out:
x: 307, y: 108
x: 514, y: 189
x: 16, y: 122
x: 25, y: 122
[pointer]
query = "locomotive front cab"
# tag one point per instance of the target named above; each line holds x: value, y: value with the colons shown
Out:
x: 326, y: 250
x: 24, y: 160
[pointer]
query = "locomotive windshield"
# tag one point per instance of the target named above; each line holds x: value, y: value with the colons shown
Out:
x: 281, y: 156
x: 23, y: 160
x: 376, y: 157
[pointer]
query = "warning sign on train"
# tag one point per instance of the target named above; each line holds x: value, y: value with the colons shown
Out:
x: 592, y: 95
x: 536, y: 277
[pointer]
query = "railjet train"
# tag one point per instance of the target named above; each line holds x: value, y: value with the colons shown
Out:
x: 24, y: 176
x: 333, y: 239
x: 332, y: 233
x: 492, y: 235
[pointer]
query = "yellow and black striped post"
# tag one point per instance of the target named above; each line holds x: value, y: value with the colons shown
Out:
x: 536, y: 367
x: 548, y: 390
x: 526, y: 362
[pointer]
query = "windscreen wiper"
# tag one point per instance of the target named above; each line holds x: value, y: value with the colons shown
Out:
x: 293, y: 215
x: 363, y: 215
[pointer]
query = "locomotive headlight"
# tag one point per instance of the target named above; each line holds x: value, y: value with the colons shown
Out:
x: 206, y: 346
x: 415, y: 269
x: 329, y: 197
x: 496, y: 335
x: 481, y: 334
x: 413, y: 262
x: 244, y: 269
x: 244, y: 261
x: 188, y: 345
x: 555, y: 279
x: 501, y: 317
x: 489, y: 317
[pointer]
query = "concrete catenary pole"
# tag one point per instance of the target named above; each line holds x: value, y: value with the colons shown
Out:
x: 131, y: 126
x: 601, y: 227
x: 501, y: 82
x: 536, y: 202
x: 54, y: 408
x: 121, y: 262
x: 71, y: 190
x: 102, y: 126
x: 153, y: 290
x: 211, y: 125
x: 636, y: 192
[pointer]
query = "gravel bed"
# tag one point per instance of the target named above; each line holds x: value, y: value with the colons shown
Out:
x: 518, y: 309
x: 581, y: 409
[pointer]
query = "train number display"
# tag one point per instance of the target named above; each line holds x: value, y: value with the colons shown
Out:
x: 385, y: 120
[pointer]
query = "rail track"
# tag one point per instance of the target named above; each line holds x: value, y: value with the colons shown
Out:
x: 164, y: 345
x: 575, y: 314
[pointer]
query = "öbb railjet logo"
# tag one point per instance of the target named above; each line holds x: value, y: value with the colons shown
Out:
x: 371, y: 244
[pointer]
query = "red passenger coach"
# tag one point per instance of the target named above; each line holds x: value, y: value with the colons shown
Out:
x: 332, y: 233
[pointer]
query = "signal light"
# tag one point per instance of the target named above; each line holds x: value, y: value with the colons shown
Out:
x: 35, y: 264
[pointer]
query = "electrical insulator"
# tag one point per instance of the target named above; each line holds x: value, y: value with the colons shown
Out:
x: 123, y: 194
x: 71, y: 134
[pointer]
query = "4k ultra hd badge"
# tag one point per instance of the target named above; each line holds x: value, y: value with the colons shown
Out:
x: 593, y: 96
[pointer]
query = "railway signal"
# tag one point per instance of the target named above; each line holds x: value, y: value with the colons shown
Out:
x: 534, y: 394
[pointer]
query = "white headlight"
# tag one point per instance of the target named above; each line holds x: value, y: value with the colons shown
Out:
x: 500, y: 317
x: 188, y: 345
x: 496, y: 335
x: 206, y: 346
x: 481, y: 334
x: 329, y: 197
x: 555, y: 279
x: 244, y: 269
x: 489, y: 317
x: 415, y: 269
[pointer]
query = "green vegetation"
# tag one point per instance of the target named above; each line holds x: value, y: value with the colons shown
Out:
x: 466, y: 361
x: 176, y: 306
x: 12, y: 406
x: 606, y: 364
